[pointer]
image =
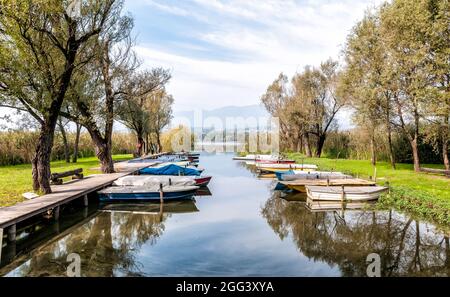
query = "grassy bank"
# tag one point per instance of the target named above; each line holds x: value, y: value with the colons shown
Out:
x: 16, y: 180
x: 420, y: 193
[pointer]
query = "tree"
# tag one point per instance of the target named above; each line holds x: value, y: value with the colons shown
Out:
x: 405, y: 27
x: 366, y: 79
x: 133, y: 112
x: 102, y: 83
x: 62, y: 130
x: 438, y: 109
x: 275, y: 101
x: 318, y: 100
x: 76, y: 143
x: 159, y: 107
x: 40, y: 45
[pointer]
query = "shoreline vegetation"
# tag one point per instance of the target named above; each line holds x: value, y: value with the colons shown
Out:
x: 421, y: 194
x: 16, y: 179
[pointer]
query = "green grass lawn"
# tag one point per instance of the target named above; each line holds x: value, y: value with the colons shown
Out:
x: 16, y: 180
x: 421, y: 193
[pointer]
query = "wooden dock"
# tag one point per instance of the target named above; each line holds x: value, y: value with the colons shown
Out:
x: 61, y: 194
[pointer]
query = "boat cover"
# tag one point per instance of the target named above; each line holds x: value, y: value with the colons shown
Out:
x: 171, y: 169
x: 152, y: 180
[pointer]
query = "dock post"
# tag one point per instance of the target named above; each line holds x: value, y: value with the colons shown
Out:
x: 343, y: 194
x: 12, y: 233
x: 1, y: 244
x: 56, y: 213
x: 86, y: 201
x: 161, y: 194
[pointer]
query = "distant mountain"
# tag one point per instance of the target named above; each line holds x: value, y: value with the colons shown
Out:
x: 255, y: 112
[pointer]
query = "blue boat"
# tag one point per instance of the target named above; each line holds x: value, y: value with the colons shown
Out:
x: 171, y: 169
x: 146, y: 193
x: 279, y: 174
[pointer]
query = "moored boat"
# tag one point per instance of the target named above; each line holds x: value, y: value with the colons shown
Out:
x: 336, y: 193
x: 285, y: 167
x: 171, y: 170
x: 274, y: 161
x: 252, y: 157
x: 292, y: 175
x: 301, y: 184
x: 147, y: 193
x: 154, y: 180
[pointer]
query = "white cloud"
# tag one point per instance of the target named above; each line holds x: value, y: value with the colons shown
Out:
x: 264, y: 37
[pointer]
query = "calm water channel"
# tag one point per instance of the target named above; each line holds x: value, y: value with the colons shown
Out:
x: 243, y: 228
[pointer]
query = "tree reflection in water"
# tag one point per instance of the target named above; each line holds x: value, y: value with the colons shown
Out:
x: 107, y: 245
x: 406, y: 246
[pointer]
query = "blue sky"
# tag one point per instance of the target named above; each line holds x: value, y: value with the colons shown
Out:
x: 227, y: 52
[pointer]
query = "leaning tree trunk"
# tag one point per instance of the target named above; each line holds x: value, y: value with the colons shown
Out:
x: 77, y: 143
x: 104, y: 154
x: 320, y: 143
x: 65, y: 141
x: 103, y: 150
x: 140, y: 145
x: 41, y: 159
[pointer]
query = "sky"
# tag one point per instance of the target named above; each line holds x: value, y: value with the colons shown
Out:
x: 225, y: 53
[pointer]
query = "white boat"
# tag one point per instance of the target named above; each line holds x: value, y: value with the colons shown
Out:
x: 155, y: 180
x: 251, y: 157
x: 339, y: 193
x: 285, y: 167
x: 299, y: 174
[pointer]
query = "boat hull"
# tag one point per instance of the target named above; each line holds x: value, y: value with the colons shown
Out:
x: 300, y: 185
x: 357, y: 194
x: 202, y: 181
x: 275, y: 169
x: 275, y: 161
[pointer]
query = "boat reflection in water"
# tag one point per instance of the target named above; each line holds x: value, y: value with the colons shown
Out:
x: 203, y: 191
x: 340, y: 236
x: 108, y: 243
x: 315, y: 206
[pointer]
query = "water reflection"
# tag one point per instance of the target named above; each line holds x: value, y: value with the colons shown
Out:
x: 406, y: 246
x: 108, y: 244
x: 243, y: 229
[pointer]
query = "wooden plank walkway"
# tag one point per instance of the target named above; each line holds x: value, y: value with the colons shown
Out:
x: 62, y: 194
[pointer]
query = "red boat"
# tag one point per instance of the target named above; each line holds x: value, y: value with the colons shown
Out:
x: 202, y: 181
x: 261, y: 161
